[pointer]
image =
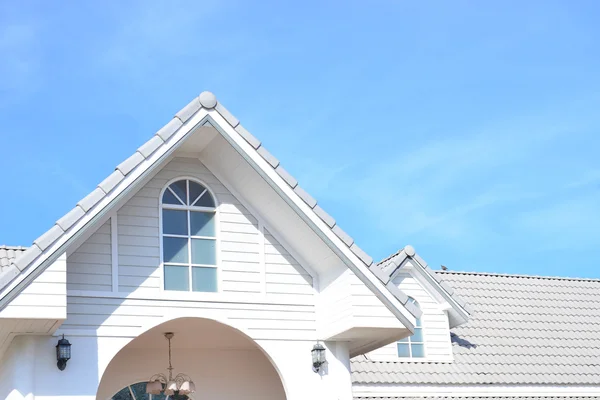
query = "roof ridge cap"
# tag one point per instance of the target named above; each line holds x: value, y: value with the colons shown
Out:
x: 523, y: 276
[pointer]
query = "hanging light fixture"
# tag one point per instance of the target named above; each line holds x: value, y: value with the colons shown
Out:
x: 181, y: 384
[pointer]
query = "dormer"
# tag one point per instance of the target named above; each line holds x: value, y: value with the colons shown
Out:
x: 441, y: 310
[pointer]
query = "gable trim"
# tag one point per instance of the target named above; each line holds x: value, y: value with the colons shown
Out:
x: 393, y: 266
x: 351, y: 259
x: 153, y: 155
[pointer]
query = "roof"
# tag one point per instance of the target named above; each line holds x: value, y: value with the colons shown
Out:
x: 524, y: 330
x: 8, y: 254
x: 393, y: 264
x: 484, y: 398
x: 154, y: 149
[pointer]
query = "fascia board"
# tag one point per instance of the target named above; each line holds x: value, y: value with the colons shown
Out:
x: 316, y: 224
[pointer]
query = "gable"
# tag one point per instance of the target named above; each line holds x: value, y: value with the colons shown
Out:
x: 434, y: 320
x: 251, y: 259
x: 307, y: 224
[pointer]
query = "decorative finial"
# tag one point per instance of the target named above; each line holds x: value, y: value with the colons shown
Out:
x: 409, y: 250
x: 207, y: 100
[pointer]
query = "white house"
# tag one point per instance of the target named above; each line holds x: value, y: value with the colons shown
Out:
x: 201, y: 253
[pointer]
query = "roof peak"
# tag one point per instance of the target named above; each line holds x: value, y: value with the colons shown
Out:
x: 523, y: 276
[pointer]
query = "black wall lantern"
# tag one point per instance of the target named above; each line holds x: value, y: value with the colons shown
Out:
x: 63, y: 353
x: 318, y: 357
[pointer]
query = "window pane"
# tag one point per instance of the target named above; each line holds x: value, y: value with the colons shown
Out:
x: 180, y: 189
x: 418, y: 324
x: 418, y: 350
x: 124, y: 394
x: 175, y: 222
x: 176, y: 277
x: 202, y: 223
x: 175, y: 250
x: 403, y: 350
x: 205, y: 201
x: 195, y: 191
x: 139, y: 391
x: 204, y: 279
x: 405, y: 340
x: 169, y: 198
x: 204, y: 251
x: 418, y: 335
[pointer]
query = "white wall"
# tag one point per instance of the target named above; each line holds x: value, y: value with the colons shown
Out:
x: 89, y: 267
x: 435, y: 323
x: 251, y: 260
x: 218, y: 374
x: 281, y: 371
x: 43, y: 298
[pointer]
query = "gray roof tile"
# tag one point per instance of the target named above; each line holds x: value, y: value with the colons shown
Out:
x: 69, y: 219
x: 361, y: 254
x: 26, y: 257
x: 339, y: 232
x: 190, y: 109
x: 247, y: 136
x: 111, y: 181
x: 268, y: 157
x: 169, y: 129
x: 151, y: 146
x: 128, y: 165
x: 8, y: 254
x: 91, y: 199
x: 48, y: 237
x: 233, y: 121
x: 524, y: 330
x: 507, y: 397
x: 307, y: 198
x: 289, y: 179
x: 328, y: 219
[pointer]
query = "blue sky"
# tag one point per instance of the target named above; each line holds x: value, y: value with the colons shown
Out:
x: 467, y: 129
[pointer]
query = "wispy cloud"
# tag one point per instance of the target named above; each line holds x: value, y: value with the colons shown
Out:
x: 466, y: 189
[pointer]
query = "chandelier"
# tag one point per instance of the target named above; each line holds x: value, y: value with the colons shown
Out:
x: 181, y: 384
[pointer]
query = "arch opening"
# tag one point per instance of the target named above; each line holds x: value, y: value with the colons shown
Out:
x: 223, y: 362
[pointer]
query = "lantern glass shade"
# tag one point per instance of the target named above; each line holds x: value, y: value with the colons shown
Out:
x: 185, y: 388
x: 63, y: 350
x: 153, y: 387
x: 318, y: 355
x: 171, y: 388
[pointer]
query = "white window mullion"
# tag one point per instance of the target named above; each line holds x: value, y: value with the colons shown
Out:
x: 189, y: 222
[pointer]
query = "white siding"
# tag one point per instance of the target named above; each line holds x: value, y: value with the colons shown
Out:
x: 44, y: 298
x: 284, y: 275
x: 130, y: 317
x: 367, y: 309
x: 138, y: 234
x: 89, y: 267
x: 436, y: 328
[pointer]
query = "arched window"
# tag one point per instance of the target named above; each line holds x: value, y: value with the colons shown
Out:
x: 413, y: 346
x: 189, y: 237
x: 138, y: 392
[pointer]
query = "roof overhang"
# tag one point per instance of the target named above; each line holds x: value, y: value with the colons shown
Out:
x: 203, y: 112
x: 458, y: 310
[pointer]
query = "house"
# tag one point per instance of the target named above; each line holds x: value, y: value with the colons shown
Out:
x: 201, y: 269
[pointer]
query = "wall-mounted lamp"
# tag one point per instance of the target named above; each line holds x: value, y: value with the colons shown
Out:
x: 318, y: 357
x: 63, y: 353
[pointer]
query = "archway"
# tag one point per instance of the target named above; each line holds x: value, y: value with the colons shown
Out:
x: 224, y: 363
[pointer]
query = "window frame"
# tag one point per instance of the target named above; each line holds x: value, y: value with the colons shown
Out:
x: 409, y: 341
x: 216, y: 238
x: 133, y: 396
